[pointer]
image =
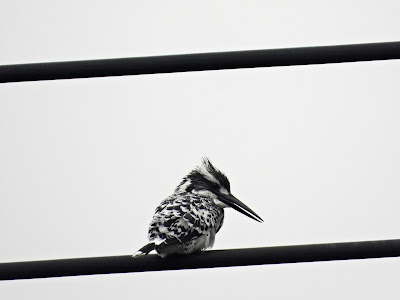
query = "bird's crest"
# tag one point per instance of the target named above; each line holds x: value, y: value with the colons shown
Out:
x: 203, y: 176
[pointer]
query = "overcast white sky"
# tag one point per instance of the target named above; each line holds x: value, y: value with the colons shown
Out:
x: 314, y: 150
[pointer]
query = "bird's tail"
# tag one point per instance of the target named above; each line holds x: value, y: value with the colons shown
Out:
x: 145, y: 250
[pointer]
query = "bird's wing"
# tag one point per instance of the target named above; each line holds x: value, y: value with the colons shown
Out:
x: 181, y: 218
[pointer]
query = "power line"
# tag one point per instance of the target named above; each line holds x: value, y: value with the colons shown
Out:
x: 199, y: 62
x: 208, y: 259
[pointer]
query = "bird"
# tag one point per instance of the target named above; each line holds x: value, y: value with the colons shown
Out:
x: 187, y: 221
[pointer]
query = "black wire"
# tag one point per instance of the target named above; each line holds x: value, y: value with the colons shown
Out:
x: 199, y: 62
x: 208, y: 259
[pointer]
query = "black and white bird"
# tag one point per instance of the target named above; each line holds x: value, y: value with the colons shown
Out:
x: 187, y: 221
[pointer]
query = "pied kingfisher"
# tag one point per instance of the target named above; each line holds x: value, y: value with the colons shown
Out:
x: 187, y: 221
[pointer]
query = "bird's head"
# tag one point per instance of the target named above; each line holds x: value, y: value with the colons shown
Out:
x: 206, y: 180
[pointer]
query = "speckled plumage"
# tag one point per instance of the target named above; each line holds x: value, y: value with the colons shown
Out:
x: 187, y: 221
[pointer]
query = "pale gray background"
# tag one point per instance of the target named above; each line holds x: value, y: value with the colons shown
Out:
x: 314, y: 150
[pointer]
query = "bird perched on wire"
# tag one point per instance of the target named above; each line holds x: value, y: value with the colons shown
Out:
x: 187, y: 221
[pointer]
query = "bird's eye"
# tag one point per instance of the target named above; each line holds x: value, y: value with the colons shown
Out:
x: 216, y: 186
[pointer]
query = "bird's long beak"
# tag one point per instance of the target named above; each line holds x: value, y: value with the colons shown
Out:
x: 235, y: 203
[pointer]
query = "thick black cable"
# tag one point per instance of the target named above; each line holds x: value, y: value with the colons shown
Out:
x: 208, y: 259
x: 199, y: 62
